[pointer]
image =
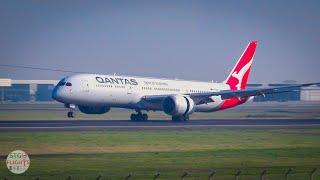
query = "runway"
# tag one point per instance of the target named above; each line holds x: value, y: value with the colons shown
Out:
x: 87, y: 125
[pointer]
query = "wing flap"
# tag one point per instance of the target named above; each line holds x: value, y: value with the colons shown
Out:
x: 203, y: 98
x: 227, y: 94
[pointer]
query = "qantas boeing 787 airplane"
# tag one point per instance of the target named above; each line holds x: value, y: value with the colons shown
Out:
x: 96, y: 94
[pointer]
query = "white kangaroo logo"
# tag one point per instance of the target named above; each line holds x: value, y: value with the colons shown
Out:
x: 241, y: 73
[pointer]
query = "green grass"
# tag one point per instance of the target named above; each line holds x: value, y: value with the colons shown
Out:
x: 114, y: 154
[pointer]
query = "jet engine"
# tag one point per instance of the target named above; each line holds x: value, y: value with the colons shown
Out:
x: 178, y: 105
x: 94, y: 109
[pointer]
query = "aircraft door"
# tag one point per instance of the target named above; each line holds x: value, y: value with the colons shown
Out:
x: 130, y: 90
x: 85, y: 86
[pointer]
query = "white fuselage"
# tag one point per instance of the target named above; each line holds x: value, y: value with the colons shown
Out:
x: 127, y: 92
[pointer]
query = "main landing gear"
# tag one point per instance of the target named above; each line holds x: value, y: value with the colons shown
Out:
x: 180, y: 118
x: 139, y: 116
x: 71, y: 108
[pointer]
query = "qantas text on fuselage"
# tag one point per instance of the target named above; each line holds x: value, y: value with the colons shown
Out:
x: 112, y: 80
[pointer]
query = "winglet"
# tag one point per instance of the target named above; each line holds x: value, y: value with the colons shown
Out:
x: 239, y: 75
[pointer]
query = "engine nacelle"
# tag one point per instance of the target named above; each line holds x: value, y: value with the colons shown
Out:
x: 178, y: 105
x: 94, y: 109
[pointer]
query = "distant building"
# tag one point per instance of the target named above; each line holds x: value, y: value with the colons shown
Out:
x: 16, y: 92
x: 24, y: 90
x: 293, y: 95
x: 310, y: 93
x: 44, y: 92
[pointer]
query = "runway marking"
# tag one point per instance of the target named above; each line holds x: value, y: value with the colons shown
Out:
x: 158, y: 127
x: 26, y: 123
x: 53, y: 125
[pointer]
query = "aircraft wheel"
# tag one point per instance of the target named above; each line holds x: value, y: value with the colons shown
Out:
x: 179, y: 118
x: 70, y: 115
x: 145, y: 117
x: 176, y: 118
x: 133, y: 117
x: 139, y: 117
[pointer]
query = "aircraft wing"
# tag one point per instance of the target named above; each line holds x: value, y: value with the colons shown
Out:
x: 201, y: 98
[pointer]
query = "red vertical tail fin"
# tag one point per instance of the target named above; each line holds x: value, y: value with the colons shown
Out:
x: 239, y: 75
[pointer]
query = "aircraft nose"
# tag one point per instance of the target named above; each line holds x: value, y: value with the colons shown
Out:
x: 56, y: 94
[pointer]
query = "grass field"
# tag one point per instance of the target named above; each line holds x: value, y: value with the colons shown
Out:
x: 115, y: 154
x: 268, y: 110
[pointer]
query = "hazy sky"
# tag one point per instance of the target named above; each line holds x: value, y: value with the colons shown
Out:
x: 199, y: 40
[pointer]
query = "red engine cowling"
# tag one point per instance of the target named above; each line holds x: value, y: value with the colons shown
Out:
x: 178, y: 105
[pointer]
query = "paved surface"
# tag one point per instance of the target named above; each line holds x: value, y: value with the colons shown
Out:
x: 83, y: 125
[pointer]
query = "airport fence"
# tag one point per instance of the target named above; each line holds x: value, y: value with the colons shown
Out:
x: 248, y: 173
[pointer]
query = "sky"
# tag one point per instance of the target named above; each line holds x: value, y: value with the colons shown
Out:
x: 196, y: 40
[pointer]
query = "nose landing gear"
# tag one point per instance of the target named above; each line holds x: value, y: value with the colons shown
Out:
x: 71, y: 108
x: 70, y: 114
x: 139, y: 116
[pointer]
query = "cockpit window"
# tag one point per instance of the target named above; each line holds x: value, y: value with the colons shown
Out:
x: 61, y: 83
